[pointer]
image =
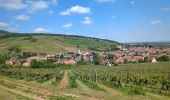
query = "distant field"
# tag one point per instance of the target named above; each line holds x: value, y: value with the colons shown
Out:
x: 123, y: 82
x: 53, y: 44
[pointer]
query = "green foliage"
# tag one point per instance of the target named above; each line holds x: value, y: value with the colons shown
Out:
x: 2, y: 60
x: 47, y: 43
x: 130, y: 78
x: 14, y: 49
x: 133, y: 91
x: 163, y: 58
x: 61, y: 98
x: 72, y: 80
x: 28, y: 38
x: 110, y: 56
x: 42, y: 64
x: 34, y: 64
x: 81, y: 62
x: 33, y: 40
x: 39, y: 75
x: 97, y: 59
x: 16, y: 66
x: 147, y: 59
x: 92, y: 85
x: 27, y: 54
x: 64, y: 66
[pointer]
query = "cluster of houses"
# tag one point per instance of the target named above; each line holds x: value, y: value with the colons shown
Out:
x: 122, y: 55
x: 137, y: 54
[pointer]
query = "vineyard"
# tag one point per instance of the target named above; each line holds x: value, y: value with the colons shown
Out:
x: 33, y: 74
x: 131, y: 82
x: 155, y: 79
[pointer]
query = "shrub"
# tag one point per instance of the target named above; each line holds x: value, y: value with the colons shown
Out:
x: 82, y: 62
x: 33, y: 40
x: 14, y: 49
x: 163, y: 58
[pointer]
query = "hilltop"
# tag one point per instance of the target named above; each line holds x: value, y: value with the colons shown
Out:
x: 53, y: 43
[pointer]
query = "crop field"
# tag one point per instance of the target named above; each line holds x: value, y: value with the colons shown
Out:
x: 147, y: 81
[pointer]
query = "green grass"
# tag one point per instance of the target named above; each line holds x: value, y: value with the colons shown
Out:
x: 61, y: 98
x: 92, y: 85
x: 72, y: 80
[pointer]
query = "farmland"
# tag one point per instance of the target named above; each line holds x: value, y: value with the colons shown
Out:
x: 132, y: 81
x: 51, y: 43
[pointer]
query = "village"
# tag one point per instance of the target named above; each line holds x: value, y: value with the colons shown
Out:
x: 111, y: 58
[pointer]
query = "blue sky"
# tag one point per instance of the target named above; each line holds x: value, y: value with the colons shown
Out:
x: 119, y: 20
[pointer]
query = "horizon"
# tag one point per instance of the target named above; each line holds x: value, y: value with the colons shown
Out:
x: 117, y: 20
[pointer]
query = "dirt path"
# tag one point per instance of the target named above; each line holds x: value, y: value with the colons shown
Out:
x: 159, y: 97
x: 109, y: 90
x: 64, y: 81
x: 82, y: 85
x: 34, y: 97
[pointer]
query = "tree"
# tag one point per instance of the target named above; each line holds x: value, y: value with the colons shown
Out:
x: 2, y: 60
x: 82, y: 62
x: 34, y: 64
x: 163, y: 58
x: 147, y: 59
x: 14, y: 49
x: 27, y: 54
x: 97, y: 59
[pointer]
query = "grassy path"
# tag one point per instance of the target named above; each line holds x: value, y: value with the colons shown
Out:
x: 34, y: 97
x: 109, y: 90
x: 82, y: 85
x: 64, y: 82
x: 7, y: 95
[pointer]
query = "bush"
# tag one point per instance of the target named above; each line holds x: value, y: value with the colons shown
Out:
x: 97, y: 59
x: 16, y: 66
x: 163, y: 58
x: 82, y: 62
x: 42, y: 64
x: 14, y: 49
x: 33, y: 40
x: 146, y: 59
x: 26, y: 54
x: 34, y: 64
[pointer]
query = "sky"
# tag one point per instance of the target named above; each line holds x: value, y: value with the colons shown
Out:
x: 118, y: 20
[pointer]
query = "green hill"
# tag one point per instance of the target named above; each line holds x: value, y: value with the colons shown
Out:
x: 53, y: 43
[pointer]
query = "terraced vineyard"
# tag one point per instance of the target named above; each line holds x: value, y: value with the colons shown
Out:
x: 124, y: 82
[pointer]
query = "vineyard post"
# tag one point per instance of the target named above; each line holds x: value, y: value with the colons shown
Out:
x: 96, y: 74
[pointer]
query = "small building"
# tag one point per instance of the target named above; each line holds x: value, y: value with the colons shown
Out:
x: 154, y: 60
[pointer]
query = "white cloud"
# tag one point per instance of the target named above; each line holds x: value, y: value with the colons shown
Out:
x: 39, y: 5
x: 132, y: 2
x: 68, y: 25
x: 165, y: 9
x: 155, y: 22
x: 87, y: 20
x: 12, y: 4
x: 22, y: 17
x: 106, y: 0
x: 41, y: 30
x: 3, y: 24
x: 76, y: 9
